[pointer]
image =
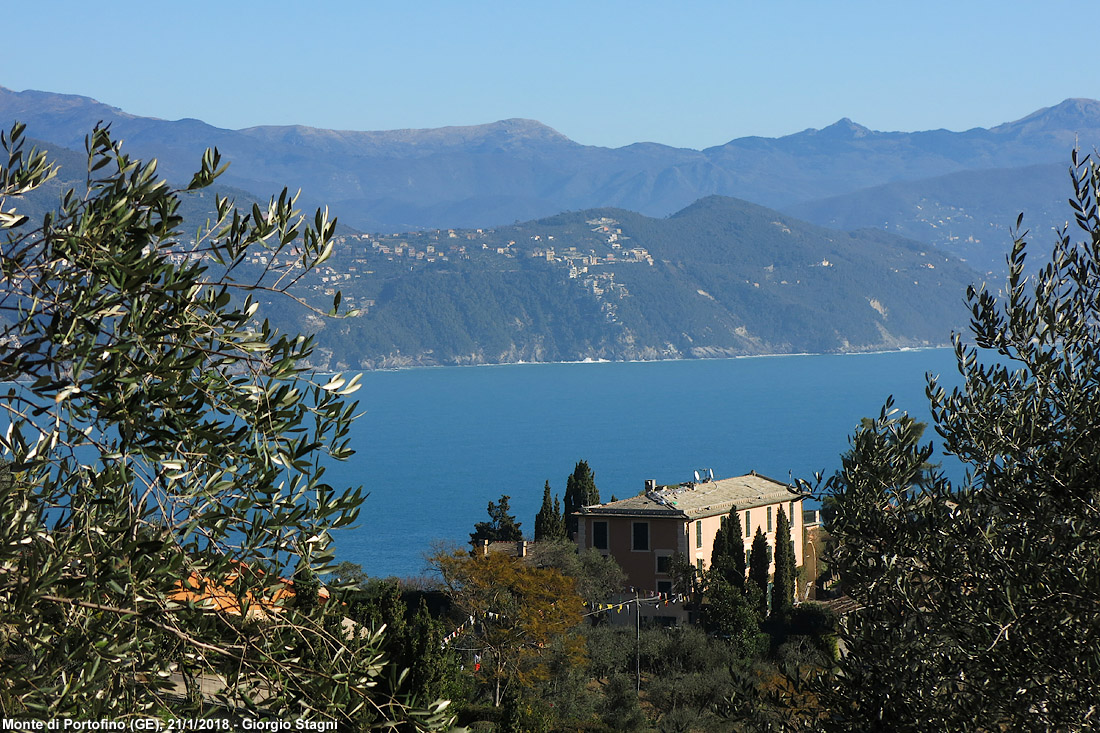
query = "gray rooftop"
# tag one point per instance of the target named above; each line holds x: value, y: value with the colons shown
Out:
x: 696, y: 500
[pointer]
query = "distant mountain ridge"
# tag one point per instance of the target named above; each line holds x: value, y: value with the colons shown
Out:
x: 709, y: 267
x: 722, y: 277
x: 484, y: 175
x: 969, y: 213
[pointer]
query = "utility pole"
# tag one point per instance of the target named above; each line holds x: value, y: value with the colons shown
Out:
x: 637, y: 632
x: 637, y: 644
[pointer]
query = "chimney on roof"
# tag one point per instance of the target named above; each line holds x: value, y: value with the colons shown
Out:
x: 521, y: 548
x: 485, y: 547
x: 651, y: 484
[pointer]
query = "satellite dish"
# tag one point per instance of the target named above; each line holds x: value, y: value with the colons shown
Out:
x: 696, y: 477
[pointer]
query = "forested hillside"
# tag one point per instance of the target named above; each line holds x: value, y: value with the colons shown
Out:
x: 720, y: 278
x: 967, y: 214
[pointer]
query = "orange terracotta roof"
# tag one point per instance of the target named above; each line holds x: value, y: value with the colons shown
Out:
x: 204, y: 591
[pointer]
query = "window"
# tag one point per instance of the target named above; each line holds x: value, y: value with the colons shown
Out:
x: 699, y: 563
x: 640, y: 536
x: 748, y: 524
x: 790, y: 515
x: 769, y: 519
x: 664, y: 562
x: 699, y: 533
x: 599, y: 535
x: 664, y: 586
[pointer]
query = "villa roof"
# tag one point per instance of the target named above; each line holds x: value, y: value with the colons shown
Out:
x: 697, y: 500
x: 221, y: 597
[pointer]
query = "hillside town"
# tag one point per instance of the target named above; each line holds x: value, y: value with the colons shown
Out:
x: 362, y: 261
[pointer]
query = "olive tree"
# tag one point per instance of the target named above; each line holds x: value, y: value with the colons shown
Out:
x: 980, y: 598
x: 165, y: 451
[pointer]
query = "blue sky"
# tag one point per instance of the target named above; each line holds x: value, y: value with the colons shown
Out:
x: 602, y: 73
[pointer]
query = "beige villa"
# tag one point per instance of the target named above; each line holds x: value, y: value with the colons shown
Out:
x: 644, y: 532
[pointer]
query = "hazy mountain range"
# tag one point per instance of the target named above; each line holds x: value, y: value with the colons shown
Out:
x: 719, y: 275
x: 498, y: 173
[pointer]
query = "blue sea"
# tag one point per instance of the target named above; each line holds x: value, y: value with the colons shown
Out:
x: 435, y: 446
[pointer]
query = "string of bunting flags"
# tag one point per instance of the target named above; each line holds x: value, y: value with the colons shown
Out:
x: 655, y: 598
x: 462, y: 626
x: 458, y: 630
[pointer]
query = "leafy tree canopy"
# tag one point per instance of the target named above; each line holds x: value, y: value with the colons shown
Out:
x: 580, y: 491
x: 979, y: 599
x: 521, y: 613
x: 548, y: 522
x: 598, y: 576
x: 160, y: 436
x: 501, y: 527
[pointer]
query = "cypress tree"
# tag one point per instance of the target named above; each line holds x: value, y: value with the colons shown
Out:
x: 429, y: 662
x: 548, y: 524
x: 758, y: 569
x: 736, y: 548
x: 559, y: 530
x: 580, y: 491
x: 728, y: 554
x: 718, y: 549
x: 721, y: 564
x: 783, y: 582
